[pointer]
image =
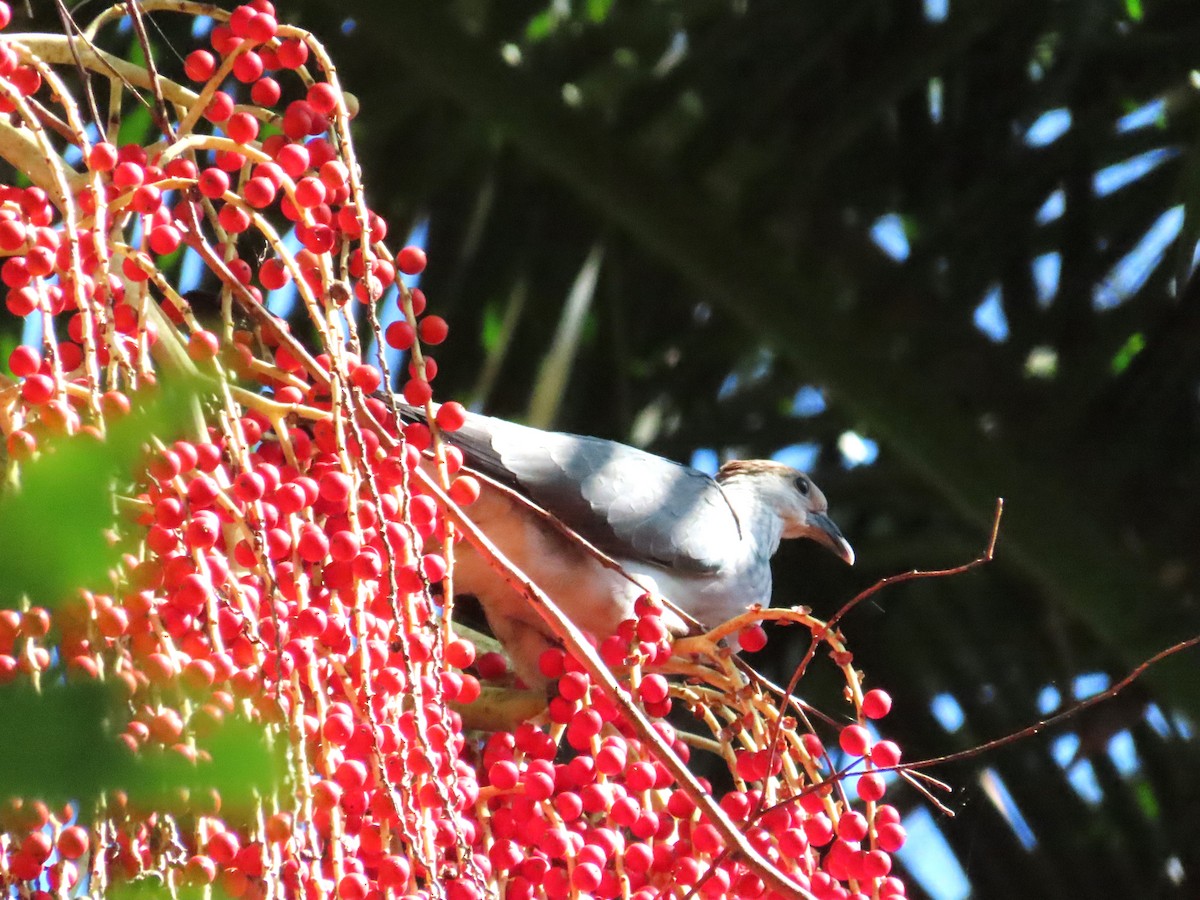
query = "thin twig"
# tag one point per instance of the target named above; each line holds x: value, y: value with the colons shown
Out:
x: 71, y: 29
x: 819, y: 636
x: 1043, y: 724
x: 160, y: 106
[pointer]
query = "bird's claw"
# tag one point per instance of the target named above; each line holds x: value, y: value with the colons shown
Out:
x: 698, y: 647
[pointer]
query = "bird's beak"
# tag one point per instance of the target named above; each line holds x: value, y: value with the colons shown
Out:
x: 822, y: 530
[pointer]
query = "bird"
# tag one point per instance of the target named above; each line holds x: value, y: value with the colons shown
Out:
x: 703, y: 542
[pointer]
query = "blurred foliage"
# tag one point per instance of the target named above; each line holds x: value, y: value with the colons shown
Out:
x: 61, y: 741
x: 52, y: 554
x: 63, y: 750
x: 66, y: 750
x: 971, y: 227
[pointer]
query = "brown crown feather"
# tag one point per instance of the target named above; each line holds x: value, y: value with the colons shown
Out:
x: 751, y: 467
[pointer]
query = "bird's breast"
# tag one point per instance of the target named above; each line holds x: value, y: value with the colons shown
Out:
x: 714, y: 598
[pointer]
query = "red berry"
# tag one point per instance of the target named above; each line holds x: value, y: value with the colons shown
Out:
x: 871, y: 787
x: 491, y: 666
x: 394, y: 872
x: 239, y: 20
x: 876, y: 704
x: 165, y: 239
x: 233, y: 218
x: 550, y: 663
x: 12, y: 234
x: 367, y: 378
x: 503, y: 775
x: 222, y: 847
x: 265, y: 92
x: 212, y: 182
x: 298, y: 119
x: 641, y: 776
x: 460, y: 653
x: 292, y: 53
x: 24, y: 361
x: 322, y: 97
x: 102, y: 157
x: 890, y: 837
x: 752, y: 638
x: 852, y: 826
x: 37, y: 846
x: 855, y: 740
x: 37, y: 389
x: 248, y: 67
x: 147, y: 199
x: 344, y: 546
x: 451, y: 416
x: 279, y: 828
x: 876, y: 864
x: 310, y: 192
x: 273, y: 274
x: 15, y: 274
x: 262, y: 28
x: 203, y: 345
x: 259, y: 191
x: 242, y: 127
x: 464, y: 490
x: 293, y: 159
x: 128, y: 175
x: 586, y: 877
x: 73, y: 842
x: 654, y: 688
x: 353, y: 887
x: 399, y: 335
x: 818, y: 829
x: 334, y: 175
x: 199, y: 65
x: 220, y: 107
x: 338, y: 729
x: 228, y: 161
x: 411, y: 260
x: 417, y: 392
x: 433, y: 329
x: 20, y: 445
x: 318, y: 239
x: 434, y: 566
x: 885, y: 754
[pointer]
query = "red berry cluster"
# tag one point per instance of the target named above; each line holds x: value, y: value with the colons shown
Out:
x: 279, y: 558
x: 580, y: 804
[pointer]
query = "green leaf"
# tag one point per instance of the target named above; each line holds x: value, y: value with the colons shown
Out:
x: 64, y: 747
x: 541, y: 26
x: 135, y: 126
x: 1134, y: 9
x: 53, y: 526
x: 8, y: 343
x: 492, y: 327
x: 1128, y: 351
x: 242, y: 764
x: 151, y: 887
x: 598, y: 10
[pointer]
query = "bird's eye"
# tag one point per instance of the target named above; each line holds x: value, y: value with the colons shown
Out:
x: 803, y: 485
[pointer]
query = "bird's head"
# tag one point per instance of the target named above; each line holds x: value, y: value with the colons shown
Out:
x: 799, y: 503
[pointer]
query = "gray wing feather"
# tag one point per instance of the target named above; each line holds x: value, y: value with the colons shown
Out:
x: 629, y: 503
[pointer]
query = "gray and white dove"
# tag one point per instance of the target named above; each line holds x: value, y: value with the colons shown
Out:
x: 704, y: 543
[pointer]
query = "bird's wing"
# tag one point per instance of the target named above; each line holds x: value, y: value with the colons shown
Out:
x: 629, y: 503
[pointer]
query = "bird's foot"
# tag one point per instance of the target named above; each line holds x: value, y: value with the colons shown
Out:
x: 700, y: 646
